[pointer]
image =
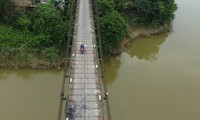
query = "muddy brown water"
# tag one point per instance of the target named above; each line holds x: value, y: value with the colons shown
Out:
x: 156, y: 78
x: 29, y: 94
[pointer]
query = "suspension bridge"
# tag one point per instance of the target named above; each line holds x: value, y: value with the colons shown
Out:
x: 84, y: 94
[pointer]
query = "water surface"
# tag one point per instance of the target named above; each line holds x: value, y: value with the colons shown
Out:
x: 158, y: 78
x: 29, y: 94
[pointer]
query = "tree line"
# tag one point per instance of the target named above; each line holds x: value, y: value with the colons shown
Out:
x: 41, y: 32
x: 117, y: 15
x: 29, y: 34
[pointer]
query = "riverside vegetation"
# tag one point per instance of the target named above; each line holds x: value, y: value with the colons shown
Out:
x: 128, y: 19
x: 31, y: 38
x: 36, y: 38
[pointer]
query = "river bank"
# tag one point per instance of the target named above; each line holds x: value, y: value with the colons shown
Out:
x: 34, y: 63
x: 140, y: 31
x: 143, y: 31
x: 39, y: 63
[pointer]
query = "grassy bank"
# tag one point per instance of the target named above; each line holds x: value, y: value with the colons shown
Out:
x: 17, y: 51
x: 32, y: 38
x: 144, y: 31
x: 140, y: 31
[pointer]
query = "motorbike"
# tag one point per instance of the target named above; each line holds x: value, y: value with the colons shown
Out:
x: 82, y: 48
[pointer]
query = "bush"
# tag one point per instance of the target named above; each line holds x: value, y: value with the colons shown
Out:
x: 123, y: 6
x: 51, y: 54
x: 154, y: 12
x: 18, y: 45
x: 8, y: 12
x: 113, y: 28
x: 47, y: 20
x: 23, y: 23
x: 29, y: 36
x: 10, y: 38
x: 105, y: 7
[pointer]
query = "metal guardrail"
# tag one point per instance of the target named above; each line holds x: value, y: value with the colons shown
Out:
x: 66, y: 63
x: 101, y: 58
x: 67, y: 85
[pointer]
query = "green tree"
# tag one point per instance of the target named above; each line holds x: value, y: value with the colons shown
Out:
x: 23, y: 23
x: 105, y: 7
x: 113, y: 28
x: 123, y: 6
x: 154, y: 12
x: 47, y: 20
x: 8, y: 13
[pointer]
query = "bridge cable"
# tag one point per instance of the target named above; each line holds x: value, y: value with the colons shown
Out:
x: 65, y: 64
x: 102, y: 59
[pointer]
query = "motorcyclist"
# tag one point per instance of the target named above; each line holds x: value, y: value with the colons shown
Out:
x: 82, y: 48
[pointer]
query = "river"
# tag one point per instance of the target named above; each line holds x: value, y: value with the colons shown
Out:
x: 156, y: 78
x: 29, y: 94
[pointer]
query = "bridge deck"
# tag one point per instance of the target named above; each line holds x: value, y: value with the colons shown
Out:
x: 85, y: 88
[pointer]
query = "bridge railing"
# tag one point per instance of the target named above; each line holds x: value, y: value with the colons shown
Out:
x: 67, y: 79
x: 68, y: 84
x: 68, y: 61
x: 100, y: 56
